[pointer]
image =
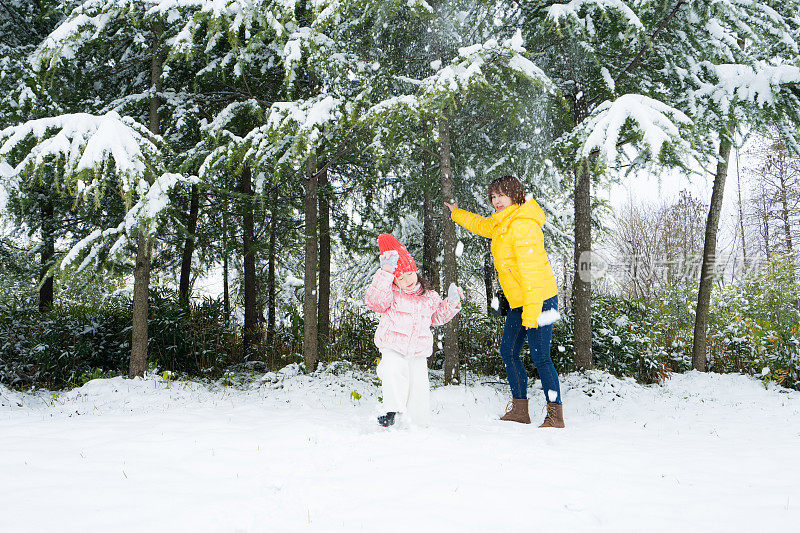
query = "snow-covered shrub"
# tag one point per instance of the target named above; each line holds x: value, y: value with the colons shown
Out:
x: 16, y: 287
x: 478, y: 341
x: 62, y: 348
x: 627, y: 339
x: 192, y: 340
x: 72, y: 344
x: 352, y: 334
x: 623, y: 342
x: 754, y: 326
x: 286, y: 347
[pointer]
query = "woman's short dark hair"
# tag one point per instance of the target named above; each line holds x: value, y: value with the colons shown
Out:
x: 509, y: 186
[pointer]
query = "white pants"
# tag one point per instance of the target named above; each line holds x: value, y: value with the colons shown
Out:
x: 405, y: 384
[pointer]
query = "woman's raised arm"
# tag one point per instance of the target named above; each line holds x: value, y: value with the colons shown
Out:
x: 470, y: 221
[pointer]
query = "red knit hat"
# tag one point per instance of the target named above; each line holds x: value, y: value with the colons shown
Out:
x: 405, y: 263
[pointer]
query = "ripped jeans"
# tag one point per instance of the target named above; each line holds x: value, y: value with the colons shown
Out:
x: 514, y: 335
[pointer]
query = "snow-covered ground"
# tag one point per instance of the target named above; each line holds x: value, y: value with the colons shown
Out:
x: 291, y: 452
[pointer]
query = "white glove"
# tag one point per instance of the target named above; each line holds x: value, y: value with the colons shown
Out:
x: 454, y: 294
x: 389, y: 260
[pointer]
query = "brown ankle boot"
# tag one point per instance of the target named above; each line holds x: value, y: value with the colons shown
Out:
x: 555, y: 416
x: 518, y: 412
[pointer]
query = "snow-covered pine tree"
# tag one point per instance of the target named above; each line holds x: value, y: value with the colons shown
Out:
x: 451, y: 89
x: 83, y: 151
x: 128, y: 37
x: 38, y: 208
x: 733, y: 66
x: 296, y: 142
x: 615, y: 115
x: 651, y: 74
x: 729, y: 64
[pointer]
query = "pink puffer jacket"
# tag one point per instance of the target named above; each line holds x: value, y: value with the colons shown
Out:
x: 406, y: 319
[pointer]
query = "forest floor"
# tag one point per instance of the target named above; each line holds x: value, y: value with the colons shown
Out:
x: 292, y: 452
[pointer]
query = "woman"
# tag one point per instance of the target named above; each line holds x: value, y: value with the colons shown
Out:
x: 530, y: 286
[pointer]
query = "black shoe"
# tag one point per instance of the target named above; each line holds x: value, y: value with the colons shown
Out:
x: 387, y: 419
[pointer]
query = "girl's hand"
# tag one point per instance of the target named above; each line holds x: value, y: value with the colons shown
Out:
x: 389, y: 260
x: 454, y: 293
x: 452, y: 206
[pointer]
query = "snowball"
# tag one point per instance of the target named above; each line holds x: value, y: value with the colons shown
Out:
x: 459, y: 249
x: 552, y: 396
x: 548, y: 317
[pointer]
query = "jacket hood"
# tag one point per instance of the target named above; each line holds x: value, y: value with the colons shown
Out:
x: 529, y: 210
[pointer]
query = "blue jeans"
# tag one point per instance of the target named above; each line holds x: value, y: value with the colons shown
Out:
x: 514, y: 335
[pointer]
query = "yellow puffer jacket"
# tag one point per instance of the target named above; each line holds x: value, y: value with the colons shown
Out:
x: 519, y: 256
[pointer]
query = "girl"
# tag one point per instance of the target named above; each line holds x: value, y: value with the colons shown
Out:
x: 527, y: 279
x: 408, y: 308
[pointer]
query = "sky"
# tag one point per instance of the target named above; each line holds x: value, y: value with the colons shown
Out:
x: 652, y: 190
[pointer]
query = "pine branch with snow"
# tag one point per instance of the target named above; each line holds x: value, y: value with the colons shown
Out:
x: 475, y: 67
x: 646, y: 124
x: 84, y: 152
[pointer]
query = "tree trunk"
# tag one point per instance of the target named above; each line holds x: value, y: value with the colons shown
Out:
x: 141, y: 275
x: 48, y: 250
x: 707, y: 271
x: 566, y: 291
x: 741, y: 211
x: 250, y: 330
x: 141, y: 288
x: 488, y: 274
x: 324, y: 305
x: 582, y: 285
x: 785, y: 211
x: 430, y: 267
x: 188, y: 249
x: 310, y: 331
x: 763, y: 222
x: 271, y: 292
x: 449, y: 237
x: 226, y: 295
